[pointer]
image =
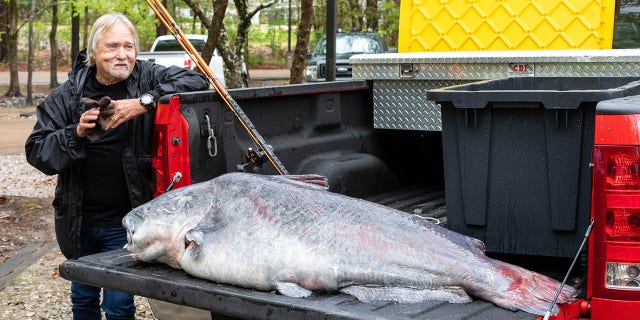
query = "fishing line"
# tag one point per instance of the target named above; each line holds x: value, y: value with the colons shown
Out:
x: 566, y: 276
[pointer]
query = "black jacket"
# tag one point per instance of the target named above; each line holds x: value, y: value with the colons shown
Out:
x: 54, y: 147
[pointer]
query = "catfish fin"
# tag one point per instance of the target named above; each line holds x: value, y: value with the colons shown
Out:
x: 313, y: 180
x: 291, y: 289
x: 193, y: 239
x: 476, y: 244
x: 407, y: 295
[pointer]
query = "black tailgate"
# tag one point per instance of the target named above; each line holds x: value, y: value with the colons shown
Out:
x: 117, y: 270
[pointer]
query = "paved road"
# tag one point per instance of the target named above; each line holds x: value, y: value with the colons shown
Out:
x: 39, y: 77
x: 42, y: 77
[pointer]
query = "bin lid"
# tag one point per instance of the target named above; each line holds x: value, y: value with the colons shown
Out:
x: 551, y: 92
x: 624, y: 105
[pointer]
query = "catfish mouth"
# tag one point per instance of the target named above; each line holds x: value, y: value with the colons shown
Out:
x: 129, y: 223
x: 130, y: 246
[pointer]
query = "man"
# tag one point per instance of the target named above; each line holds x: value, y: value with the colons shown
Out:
x: 102, y: 159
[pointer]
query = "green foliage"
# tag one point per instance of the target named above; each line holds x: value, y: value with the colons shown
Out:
x: 270, y: 45
x: 275, y: 16
x: 137, y: 11
x: 270, y: 36
x: 254, y: 60
x: 389, y: 26
x: 231, y: 24
x: 314, y: 38
x: 258, y: 60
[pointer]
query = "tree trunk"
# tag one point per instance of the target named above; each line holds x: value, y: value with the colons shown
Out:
x: 227, y: 54
x: 213, y: 25
x: 371, y: 14
x: 32, y: 12
x: 85, y: 27
x: 302, y: 44
x: 75, y: 31
x: 53, y: 59
x: 4, y: 31
x: 233, y: 56
x: 217, y: 23
x: 244, y: 15
x: 14, y: 83
x: 235, y: 81
x: 218, y: 37
x: 161, y: 29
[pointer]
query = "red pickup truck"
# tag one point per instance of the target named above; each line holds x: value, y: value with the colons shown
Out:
x: 328, y: 128
x: 526, y: 169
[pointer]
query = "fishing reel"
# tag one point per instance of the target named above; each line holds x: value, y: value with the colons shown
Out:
x: 252, y: 161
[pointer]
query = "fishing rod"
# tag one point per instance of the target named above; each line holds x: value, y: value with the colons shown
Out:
x: 166, y: 19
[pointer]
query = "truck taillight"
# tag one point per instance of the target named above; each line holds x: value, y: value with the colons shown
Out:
x: 170, y: 148
x: 625, y: 276
x: 623, y: 172
x: 188, y: 63
x: 614, y: 248
x: 622, y: 225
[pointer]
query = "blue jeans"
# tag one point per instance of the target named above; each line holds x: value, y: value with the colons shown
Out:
x: 85, y: 298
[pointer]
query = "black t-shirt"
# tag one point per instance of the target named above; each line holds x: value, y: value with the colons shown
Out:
x: 105, y: 192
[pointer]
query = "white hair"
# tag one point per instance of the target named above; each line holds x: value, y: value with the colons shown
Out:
x: 105, y: 23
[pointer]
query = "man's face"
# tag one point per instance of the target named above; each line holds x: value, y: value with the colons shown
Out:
x: 115, y: 55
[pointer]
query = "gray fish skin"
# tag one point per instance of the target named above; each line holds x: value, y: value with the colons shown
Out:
x: 156, y: 232
x: 273, y: 233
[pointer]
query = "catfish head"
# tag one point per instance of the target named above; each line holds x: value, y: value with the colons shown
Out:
x: 156, y: 230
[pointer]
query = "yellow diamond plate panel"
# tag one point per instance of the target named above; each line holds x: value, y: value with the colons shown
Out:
x: 476, y: 25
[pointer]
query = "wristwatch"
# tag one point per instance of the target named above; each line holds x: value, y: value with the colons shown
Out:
x: 147, y: 101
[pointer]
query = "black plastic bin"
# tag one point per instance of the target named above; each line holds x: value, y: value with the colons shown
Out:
x: 516, y: 159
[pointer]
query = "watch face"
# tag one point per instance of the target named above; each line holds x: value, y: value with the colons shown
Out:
x: 146, y: 99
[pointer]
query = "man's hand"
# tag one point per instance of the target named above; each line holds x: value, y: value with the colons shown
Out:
x: 90, y: 125
x: 106, y: 114
x: 88, y: 121
x: 123, y: 111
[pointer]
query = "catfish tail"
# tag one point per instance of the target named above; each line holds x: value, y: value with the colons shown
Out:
x: 516, y: 288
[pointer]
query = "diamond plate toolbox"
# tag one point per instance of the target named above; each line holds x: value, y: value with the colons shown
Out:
x: 400, y: 80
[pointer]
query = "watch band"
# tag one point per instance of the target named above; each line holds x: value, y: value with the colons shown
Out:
x: 148, y: 101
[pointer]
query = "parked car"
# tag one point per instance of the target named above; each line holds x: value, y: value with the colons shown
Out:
x: 166, y: 51
x: 347, y: 44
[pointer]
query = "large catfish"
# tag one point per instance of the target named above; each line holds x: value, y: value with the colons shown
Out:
x: 291, y: 235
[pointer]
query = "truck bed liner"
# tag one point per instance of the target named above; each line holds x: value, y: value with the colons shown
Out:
x: 117, y: 270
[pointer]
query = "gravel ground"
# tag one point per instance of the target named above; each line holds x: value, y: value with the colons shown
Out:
x: 18, y: 178
x: 38, y: 292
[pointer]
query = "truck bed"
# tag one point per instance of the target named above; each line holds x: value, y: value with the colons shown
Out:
x: 117, y: 270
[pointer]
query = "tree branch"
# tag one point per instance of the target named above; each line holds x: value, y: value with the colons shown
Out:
x: 199, y: 13
x: 260, y: 7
